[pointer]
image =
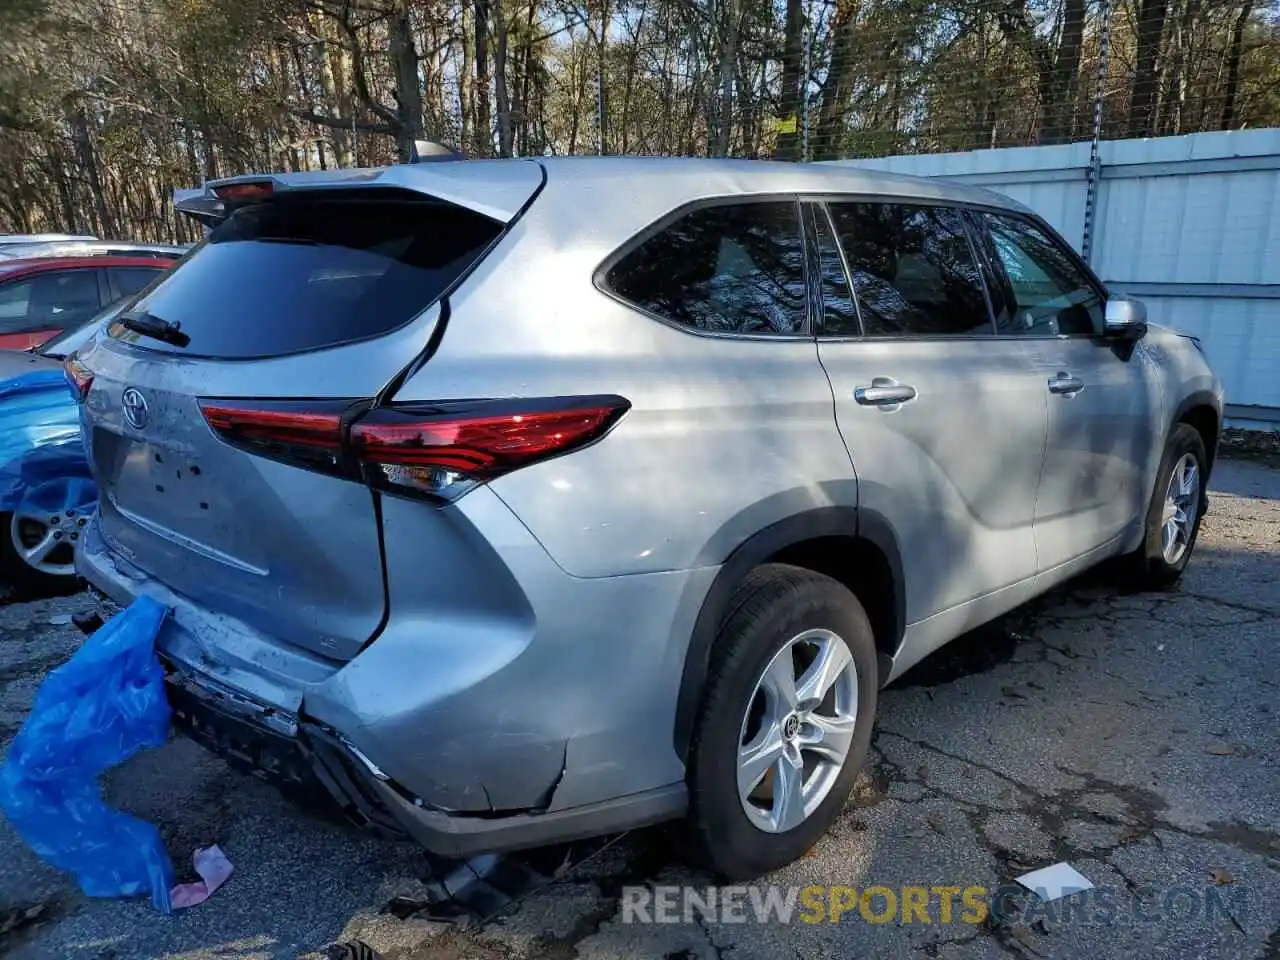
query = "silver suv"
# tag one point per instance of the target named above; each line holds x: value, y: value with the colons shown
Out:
x: 517, y: 501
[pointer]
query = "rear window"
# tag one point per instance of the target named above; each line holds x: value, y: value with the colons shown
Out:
x: 727, y: 268
x: 300, y: 272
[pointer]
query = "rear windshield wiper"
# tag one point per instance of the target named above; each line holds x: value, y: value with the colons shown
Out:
x: 149, y: 325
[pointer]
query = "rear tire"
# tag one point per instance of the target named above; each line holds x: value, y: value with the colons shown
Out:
x: 783, y: 621
x: 1173, y: 516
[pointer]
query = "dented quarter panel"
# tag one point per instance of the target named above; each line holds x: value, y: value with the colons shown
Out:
x: 500, y: 672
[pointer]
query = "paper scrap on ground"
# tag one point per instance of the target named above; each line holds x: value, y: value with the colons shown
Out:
x: 214, y: 868
x: 1052, y: 883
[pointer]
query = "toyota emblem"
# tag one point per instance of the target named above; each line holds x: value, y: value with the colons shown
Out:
x: 134, y: 405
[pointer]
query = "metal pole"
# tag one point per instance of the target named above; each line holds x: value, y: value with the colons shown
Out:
x: 600, y: 86
x: 808, y: 67
x: 1095, y: 151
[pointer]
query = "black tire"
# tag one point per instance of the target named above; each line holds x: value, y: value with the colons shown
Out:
x: 774, y: 604
x: 27, y: 582
x: 1146, y: 568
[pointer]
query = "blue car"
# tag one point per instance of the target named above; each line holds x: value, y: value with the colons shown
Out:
x: 46, y: 491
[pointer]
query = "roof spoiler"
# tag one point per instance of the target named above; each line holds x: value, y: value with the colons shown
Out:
x: 427, y: 151
x: 200, y: 204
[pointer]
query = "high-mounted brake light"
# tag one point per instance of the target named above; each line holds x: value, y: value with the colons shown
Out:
x: 78, y: 376
x: 240, y: 192
x: 438, y: 450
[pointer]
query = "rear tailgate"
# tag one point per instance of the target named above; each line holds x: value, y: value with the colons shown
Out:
x: 314, y: 298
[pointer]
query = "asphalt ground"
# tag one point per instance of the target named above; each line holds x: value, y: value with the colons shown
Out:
x: 1132, y: 736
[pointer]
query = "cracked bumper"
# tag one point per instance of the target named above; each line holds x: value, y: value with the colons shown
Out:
x: 484, y: 701
x: 317, y: 767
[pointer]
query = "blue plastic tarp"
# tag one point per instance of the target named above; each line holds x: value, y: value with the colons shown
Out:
x: 35, y: 409
x: 53, y: 477
x: 40, y: 442
x: 97, y: 710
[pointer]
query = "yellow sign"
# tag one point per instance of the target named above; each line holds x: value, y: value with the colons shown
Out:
x: 785, y: 124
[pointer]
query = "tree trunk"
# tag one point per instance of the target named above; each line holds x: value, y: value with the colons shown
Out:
x: 578, y: 74
x: 526, y: 69
x: 628, y: 87
x: 484, y: 125
x: 466, y: 98
x: 602, y: 102
x: 64, y: 194
x: 836, y: 89
x: 788, y: 145
x: 1177, y: 86
x: 1146, y: 77
x: 1232, y: 88
x: 89, y: 163
x: 500, y: 81
x: 728, y: 56
x: 210, y: 154
x: 408, y: 89
x: 1059, y: 112
x: 335, y: 88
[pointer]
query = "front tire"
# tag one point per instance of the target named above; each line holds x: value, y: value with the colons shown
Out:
x: 785, y: 721
x: 1174, y: 514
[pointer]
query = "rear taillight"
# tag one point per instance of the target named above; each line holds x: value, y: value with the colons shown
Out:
x: 304, y: 433
x: 79, y: 376
x: 434, y: 450
x: 444, y: 449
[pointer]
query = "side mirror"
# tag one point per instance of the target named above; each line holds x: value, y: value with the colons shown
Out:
x: 1125, y: 318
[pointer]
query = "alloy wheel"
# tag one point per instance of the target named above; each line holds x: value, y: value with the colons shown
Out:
x: 47, y: 541
x: 797, y: 731
x: 1181, y: 507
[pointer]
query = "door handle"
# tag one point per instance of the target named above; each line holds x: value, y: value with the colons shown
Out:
x: 1065, y: 384
x: 884, y: 392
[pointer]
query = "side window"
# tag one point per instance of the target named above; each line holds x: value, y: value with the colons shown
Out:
x: 129, y: 280
x: 1051, y: 294
x: 733, y: 268
x: 13, y: 305
x: 839, y: 312
x: 49, y: 301
x: 913, y: 270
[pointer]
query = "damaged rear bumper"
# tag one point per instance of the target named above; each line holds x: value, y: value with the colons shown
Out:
x: 316, y: 766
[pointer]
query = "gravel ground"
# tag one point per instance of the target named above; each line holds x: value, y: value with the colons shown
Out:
x: 1132, y: 736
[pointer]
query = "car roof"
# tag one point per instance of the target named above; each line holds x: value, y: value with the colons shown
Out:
x: 42, y: 237
x: 696, y: 178
x: 500, y: 188
x: 89, y: 248
x: 20, y: 267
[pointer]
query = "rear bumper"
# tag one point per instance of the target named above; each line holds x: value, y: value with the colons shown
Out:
x: 375, y: 737
x: 317, y: 766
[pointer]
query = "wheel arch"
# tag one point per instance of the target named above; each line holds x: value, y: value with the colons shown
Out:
x: 1202, y: 410
x: 853, y: 545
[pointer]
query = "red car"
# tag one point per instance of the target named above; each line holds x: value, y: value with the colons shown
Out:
x: 41, y: 298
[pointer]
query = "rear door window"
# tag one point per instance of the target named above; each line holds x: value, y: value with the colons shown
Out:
x: 729, y: 268
x: 129, y: 280
x: 49, y: 300
x: 913, y: 269
x: 305, y: 271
